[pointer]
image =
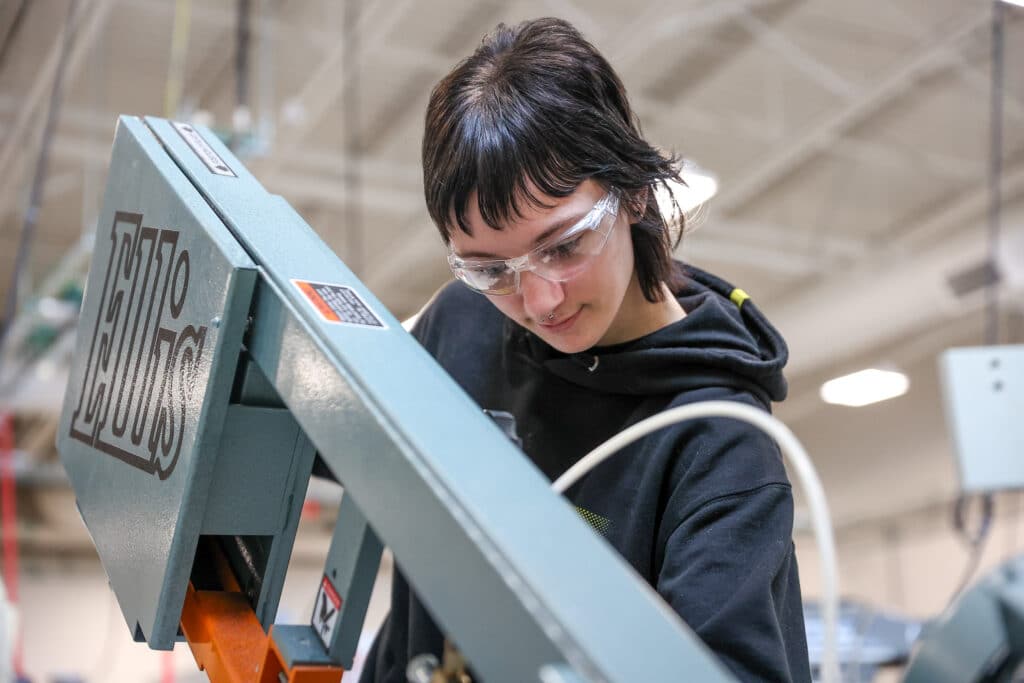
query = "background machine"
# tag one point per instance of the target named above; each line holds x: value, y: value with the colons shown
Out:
x: 980, y: 637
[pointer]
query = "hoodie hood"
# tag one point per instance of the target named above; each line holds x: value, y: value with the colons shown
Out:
x: 724, y: 340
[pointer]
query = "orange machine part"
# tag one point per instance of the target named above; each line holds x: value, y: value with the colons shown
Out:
x: 229, y: 643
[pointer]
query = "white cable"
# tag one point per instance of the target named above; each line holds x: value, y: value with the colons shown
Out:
x: 798, y: 458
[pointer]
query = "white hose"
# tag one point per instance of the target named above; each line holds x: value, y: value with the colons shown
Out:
x: 797, y: 456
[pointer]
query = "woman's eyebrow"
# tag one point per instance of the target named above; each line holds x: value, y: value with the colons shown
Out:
x: 566, y: 222
x: 555, y: 227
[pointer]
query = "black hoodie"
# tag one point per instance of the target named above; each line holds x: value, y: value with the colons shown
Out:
x: 702, y: 510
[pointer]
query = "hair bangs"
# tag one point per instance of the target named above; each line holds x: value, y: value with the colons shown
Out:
x: 509, y: 167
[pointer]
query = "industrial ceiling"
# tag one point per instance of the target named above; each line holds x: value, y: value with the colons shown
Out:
x: 851, y: 141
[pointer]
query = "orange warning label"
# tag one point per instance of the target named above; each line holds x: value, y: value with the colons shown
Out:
x: 338, y: 304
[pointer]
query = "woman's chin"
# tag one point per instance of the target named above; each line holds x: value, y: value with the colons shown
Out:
x: 568, y: 343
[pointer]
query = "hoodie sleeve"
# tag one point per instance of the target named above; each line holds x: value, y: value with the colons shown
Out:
x: 729, y: 570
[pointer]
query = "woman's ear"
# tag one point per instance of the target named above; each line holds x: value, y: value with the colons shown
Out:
x: 636, y: 204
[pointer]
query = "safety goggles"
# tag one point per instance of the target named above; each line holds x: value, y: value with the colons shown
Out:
x: 558, y: 259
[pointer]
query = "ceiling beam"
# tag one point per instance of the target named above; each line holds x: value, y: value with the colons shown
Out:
x: 796, y: 56
x: 88, y: 120
x: 907, y: 159
x: 729, y: 125
x: 894, y: 287
x: 326, y: 192
x: 371, y: 168
x: 791, y: 154
x: 409, y: 98
x: 629, y: 46
x: 777, y: 249
x: 294, y: 183
x: 311, y: 175
x: 973, y: 77
x: 87, y: 129
x: 222, y: 16
x: 79, y: 149
x: 333, y: 75
x: 716, y: 251
x: 755, y: 233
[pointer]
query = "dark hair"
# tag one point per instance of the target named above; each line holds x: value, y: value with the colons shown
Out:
x: 537, y: 104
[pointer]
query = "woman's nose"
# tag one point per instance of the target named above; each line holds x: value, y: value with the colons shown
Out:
x: 540, y: 296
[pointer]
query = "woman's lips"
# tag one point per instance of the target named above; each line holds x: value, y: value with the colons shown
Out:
x: 561, y: 325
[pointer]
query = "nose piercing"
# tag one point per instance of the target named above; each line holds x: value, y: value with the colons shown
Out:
x: 551, y: 315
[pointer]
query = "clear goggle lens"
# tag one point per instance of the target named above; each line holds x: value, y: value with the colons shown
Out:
x: 560, y: 259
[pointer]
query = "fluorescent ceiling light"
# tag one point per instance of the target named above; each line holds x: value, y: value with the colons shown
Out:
x: 864, y: 387
x: 1018, y: 3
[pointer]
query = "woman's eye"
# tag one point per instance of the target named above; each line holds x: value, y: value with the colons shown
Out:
x: 563, y: 249
x: 492, y: 271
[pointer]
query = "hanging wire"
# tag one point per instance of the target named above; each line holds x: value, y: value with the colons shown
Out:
x: 266, y: 41
x: 242, y: 34
x: 31, y: 218
x: 241, y: 118
x: 176, y: 65
x: 12, y: 30
x: 995, y: 173
x: 975, y: 540
x: 352, y: 111
x: 28, y: 229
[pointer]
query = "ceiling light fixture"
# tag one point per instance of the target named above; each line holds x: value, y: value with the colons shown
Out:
x: 864, y: 387
x: 1018, y: 3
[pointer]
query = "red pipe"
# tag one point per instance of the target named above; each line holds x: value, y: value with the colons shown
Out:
x: 8, y: 522
x: 167, y: 667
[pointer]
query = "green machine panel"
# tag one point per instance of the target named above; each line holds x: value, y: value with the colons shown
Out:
x: 165, y: 308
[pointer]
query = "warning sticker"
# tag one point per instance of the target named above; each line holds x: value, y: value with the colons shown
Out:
x: 339, y: 304
x: 325, y: 611
x: 202, y: 149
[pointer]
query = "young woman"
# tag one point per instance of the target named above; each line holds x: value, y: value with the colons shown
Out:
x: 571, y: 314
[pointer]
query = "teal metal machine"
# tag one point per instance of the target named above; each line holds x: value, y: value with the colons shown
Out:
x: 221, y: 346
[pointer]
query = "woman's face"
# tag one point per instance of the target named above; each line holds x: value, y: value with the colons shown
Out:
x: 588, y: 308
